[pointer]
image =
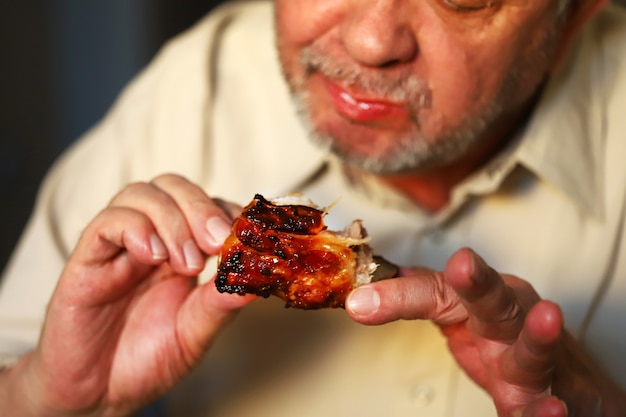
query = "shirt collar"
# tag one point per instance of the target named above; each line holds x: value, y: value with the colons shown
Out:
x: 562, y: 143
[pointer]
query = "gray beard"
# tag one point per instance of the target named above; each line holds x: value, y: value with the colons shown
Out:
x: 412, y: 151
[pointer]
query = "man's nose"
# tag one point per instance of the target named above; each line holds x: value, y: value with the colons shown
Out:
x: 379, y: 33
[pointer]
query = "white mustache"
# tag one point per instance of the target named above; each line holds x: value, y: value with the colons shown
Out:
x: 406, y: 88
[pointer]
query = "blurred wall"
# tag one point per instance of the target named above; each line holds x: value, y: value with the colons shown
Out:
x: 62, y: 63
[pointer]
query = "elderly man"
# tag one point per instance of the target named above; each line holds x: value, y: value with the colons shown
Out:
x: 451, y: 128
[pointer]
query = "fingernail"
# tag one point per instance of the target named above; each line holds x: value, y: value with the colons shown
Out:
x: 157, y: 247
x: 478, y: 268
x: 363, y: 301
x: 218, y: 229
x: 193, y: 257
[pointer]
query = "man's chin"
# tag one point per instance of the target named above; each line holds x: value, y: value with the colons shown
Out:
x: 377, y: 163
x: 381, y: 151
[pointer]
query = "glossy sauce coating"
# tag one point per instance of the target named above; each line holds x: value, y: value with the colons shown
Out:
x: 286, y: 251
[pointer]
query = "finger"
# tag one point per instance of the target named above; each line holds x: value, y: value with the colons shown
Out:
x: 231, y: 209
x: 493, y: 309
x: 114, y: 251
x: 169, y: 221
x: 204, y: 314
x: 417, y: 294
x: 530, y: 361
x: 209, y: 219
x: 544, y: 407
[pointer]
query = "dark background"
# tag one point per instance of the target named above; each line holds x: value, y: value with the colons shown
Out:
x: 62, y: 63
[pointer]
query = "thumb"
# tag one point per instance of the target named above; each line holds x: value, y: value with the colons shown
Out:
x: 417, y: 294
x: 204, y: 314
x: 544, y: 407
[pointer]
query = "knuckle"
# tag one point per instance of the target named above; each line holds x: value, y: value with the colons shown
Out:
x: 509, y: 312
x: 167, y: 178
x: 426, y: 297
x: 142, y: 196
x: 131, y: 192
x: 135, y: 187
x: 445, y: 300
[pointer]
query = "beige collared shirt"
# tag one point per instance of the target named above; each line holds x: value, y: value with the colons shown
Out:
x: 213, y: 107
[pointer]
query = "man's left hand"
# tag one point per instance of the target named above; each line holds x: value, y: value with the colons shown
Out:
x: 501, y: 333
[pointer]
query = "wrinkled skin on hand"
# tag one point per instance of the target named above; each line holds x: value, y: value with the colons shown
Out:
x: 508, y: 340
x: 128, y: 319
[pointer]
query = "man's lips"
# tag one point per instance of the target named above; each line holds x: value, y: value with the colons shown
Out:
x: 361, y: 109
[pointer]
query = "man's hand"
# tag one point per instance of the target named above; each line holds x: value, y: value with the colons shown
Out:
x: 128, y: 319
x: 502, y: 334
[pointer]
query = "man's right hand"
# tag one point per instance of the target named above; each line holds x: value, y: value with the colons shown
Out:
x: 128, y: 319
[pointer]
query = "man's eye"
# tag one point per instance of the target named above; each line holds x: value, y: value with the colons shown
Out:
x: 462, y: 6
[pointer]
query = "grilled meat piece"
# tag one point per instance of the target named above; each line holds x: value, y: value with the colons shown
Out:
x: 283, y: 248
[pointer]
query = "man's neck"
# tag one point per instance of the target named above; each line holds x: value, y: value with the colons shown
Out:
x: 429, y: 191
x: 431, y: 188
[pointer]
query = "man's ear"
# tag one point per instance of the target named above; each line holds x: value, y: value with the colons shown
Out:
x: 578, y: 15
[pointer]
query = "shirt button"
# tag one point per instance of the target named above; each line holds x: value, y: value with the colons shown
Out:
x: 421, y: 395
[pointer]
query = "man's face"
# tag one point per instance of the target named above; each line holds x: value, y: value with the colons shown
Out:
x: 397, y: 85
